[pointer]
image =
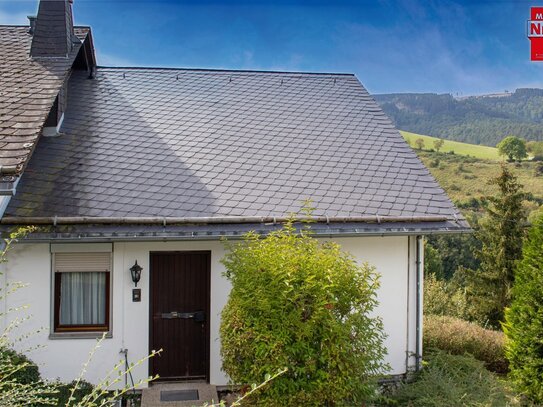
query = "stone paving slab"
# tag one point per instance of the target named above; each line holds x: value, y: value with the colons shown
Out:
x: 151, y: 397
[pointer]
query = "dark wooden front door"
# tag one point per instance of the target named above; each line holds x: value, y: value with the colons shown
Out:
x: 179, y: 301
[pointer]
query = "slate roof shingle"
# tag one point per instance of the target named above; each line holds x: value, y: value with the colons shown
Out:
x: 28, y: 88
x: 167, y: 142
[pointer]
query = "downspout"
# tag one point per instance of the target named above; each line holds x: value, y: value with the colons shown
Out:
x: 420, y: 276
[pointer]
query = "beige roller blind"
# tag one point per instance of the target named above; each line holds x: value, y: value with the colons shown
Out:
x: 78, y: 262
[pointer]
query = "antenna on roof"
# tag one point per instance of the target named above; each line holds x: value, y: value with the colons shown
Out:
x: 177, y: 77
x: 334, y: 81
x: 124, y: 75
x: 281, y: 81
x: 230, y: 78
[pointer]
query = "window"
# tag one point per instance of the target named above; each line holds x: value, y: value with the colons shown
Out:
x: 82, y: 292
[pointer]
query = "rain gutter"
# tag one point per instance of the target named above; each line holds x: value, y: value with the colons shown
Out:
x: 100, y: 220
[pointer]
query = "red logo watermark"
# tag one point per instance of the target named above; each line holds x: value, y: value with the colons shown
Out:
x: 535, y: 33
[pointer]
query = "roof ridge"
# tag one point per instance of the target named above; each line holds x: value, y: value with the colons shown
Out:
x: 219, y: 70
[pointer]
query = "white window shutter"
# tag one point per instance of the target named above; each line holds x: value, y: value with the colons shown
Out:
x: 80, y: 262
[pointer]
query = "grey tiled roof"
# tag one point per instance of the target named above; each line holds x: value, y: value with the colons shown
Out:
x: 28, y: 88
x: 161, y: 142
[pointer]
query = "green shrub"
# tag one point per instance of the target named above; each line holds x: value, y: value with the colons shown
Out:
x: 28, y: 371
x: 453, y: 380
x: 443, y: 298
x: 307, y: 306
x: 64, y: 390
x: 524, y: 320
x: 458, y: 337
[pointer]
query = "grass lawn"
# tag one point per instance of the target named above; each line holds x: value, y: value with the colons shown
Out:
x: 485, y: 152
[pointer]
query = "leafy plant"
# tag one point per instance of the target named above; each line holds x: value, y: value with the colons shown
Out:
x: 459, y: 337
x: 454, y: 380
x: 535, y: 148
x: 438, y: 144
x: 65, y: 392
x: 28, y: 373
x: 444, y: 298
x: 453, y: 252
x: 513, y: 147
x: 524, y: 320
x: 303, y: 304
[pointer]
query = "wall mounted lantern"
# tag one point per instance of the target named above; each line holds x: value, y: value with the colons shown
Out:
x: 135, y: 272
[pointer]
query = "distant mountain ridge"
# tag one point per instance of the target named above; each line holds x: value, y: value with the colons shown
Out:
x: 481, y: 119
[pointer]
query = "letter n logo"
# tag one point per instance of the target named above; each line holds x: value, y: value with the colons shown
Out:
x: 535, y: 33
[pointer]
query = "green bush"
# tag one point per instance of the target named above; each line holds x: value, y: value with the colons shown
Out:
x: 453, y: 380
x: 458, y: 337
x: 27, y: 372
x: 307, y: 306
x: 524, y: 320
x: 64, y: 390
x: 443, y: 298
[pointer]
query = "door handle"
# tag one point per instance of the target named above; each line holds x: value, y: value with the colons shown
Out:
x: 198, y: 316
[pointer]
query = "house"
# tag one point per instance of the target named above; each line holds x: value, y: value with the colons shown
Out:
x: 141, y: 171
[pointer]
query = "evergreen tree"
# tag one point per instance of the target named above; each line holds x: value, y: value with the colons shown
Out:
x: 524, y: 320
x: 501, y: 235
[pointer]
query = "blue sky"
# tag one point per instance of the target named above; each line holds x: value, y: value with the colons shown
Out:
x: 392, y: 46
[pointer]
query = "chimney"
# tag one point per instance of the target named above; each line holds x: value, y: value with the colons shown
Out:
x: 53, y: 32
x: 32, y: 21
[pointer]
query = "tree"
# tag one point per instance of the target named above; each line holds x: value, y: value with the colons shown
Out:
x: 433, y: 262
x: 501, y: 234
x: 524, y: 320
x: 419, y: 143
x: 513, y: 147
x: 535, y: 148
x: 455, y: 251
x: 305, y: 305
x: 438, y: 144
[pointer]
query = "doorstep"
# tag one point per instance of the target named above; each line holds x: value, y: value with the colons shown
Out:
x: 179, y: 394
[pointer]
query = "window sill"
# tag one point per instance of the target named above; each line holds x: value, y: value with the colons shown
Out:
x: 79, y: 335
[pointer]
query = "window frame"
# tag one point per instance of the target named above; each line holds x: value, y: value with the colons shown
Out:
x: 58, y: 328
x: 59, y: 331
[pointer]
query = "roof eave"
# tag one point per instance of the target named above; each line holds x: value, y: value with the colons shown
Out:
x: 108, y: 233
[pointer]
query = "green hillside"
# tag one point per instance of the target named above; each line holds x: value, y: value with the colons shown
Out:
x: 472, y: 150
x: 484, y: 119
x: 465, y: 179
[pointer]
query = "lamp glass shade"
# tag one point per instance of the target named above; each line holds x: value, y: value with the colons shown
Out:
x: 135, y: 272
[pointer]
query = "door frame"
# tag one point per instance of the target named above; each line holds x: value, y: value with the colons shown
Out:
x: 207, y: 310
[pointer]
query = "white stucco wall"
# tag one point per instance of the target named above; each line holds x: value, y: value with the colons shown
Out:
x: 393, y: 258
